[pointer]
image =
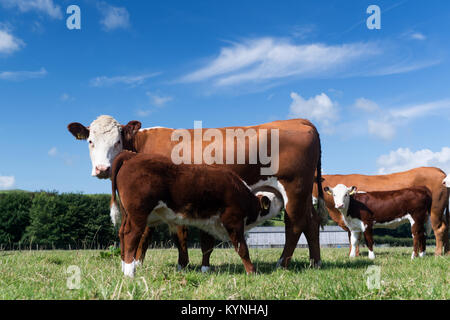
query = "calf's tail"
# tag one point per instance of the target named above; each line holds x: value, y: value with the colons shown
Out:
x: 117, y: 164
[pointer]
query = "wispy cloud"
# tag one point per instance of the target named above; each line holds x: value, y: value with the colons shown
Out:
x: 366, y: 105
x: 8, y: 42
x: 7, y: 182
x: 404, y: 159
x: 53, y: 152
x: 157, y: 99
x: 114, y: 17
x: 22, y: 75
x: 46, y: 7
x: 131, y: 80
x: 386, y: 122
x: 268, y: 58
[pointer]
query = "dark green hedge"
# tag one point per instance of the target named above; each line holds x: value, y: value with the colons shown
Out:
x: 68, y: 220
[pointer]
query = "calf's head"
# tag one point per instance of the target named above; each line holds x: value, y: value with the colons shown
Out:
x: 106, y: 138
x: 446, y: 181
x: 341, y: 195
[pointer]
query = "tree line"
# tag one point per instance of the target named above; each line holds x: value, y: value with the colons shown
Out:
x: 73, y: 220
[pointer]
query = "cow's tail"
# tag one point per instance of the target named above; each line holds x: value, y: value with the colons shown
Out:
x: 428, y: 227
x: 321, y: 206
x: 117, y: 164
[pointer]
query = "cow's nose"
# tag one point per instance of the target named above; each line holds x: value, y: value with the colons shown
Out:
x: 101, y: 169
x: 339, y: 206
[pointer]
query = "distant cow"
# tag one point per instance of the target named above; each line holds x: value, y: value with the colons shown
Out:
x: 364, y: 211
x: 430, y: 177
x: 210, y: 198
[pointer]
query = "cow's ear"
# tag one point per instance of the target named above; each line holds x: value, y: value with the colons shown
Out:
x: 352, y: 190
x: 128, y: 133
x: 327, y: 190
x: 265, y: 203
x: 78, y: 130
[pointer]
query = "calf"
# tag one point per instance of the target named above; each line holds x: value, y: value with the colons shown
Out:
x: 214, y: 199
x: 364, y: 211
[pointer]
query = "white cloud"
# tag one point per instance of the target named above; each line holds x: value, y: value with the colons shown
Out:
x: 22, y: 75
x: 381, y: 129
x: 53, y: 152
x: 319, y: 108
x: 385, y: 124
x: 143, y: 113
x: 9, y: 43
x: 366, y: 105
x: 114, y: 17
x: 42, y: 6
x: 271, y: 58
x: 132, y: 80
x: 157, y: 99
x: 404, y: 159
x: 6, y: 182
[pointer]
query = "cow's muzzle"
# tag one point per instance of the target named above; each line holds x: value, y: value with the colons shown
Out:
x: 102, y: 172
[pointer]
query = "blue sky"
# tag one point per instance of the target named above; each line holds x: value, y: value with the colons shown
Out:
x: 380, y: 98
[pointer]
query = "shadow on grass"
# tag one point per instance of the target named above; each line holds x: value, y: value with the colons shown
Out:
x: 271, y: 267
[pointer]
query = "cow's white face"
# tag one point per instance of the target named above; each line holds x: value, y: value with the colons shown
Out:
x: 106, y: 138
x: 446, y: 181
x: 105, y: 143
x: 341, y: 195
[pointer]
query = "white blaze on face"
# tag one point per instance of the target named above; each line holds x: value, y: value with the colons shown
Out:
x: 105, y: 143
x: 341, y: 196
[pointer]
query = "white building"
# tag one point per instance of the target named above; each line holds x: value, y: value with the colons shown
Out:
x: 273, y: 237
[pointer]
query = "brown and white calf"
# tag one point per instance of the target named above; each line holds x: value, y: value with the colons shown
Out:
x: 431, y: 177
x: 211, y: 198
x: 364, y: 211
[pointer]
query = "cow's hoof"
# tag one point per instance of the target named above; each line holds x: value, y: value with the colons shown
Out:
x: 315, y: 264
x: 129, y: 269
x: 371, y: 255
x: 205, y: 269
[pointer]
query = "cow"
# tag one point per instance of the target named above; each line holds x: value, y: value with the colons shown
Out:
x: 364, y: 211
x: 299, y: 158
x: 430, y: 177
x: 220, y: 204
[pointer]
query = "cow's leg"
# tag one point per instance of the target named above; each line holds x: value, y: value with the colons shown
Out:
x: 368, y: 235
x: 121, y: 240
x: 419, y: 239
x: 439, y: 222
x: 312, y: 237
x: 207, y: 244
x: 143, y: 244
x: 240, y: 245
x: 354, y: 239
x: 295, y: 218
x: 180, y: 239
x: 350, y: 244
x: 132, y: 235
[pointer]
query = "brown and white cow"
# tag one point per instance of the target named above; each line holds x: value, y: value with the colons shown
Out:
x: 298, y: 159
x: 220, y: 204
x: 430, y: 177
x: 364, y: 211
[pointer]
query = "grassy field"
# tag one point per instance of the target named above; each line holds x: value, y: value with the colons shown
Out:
x: 44, y: 275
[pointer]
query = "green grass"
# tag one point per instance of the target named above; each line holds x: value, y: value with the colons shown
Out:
x: 42, y: 275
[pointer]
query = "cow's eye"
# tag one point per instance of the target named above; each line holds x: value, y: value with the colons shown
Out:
x: 118, y: 143
x: 90, y: 141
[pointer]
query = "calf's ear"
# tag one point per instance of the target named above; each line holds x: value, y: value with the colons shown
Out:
x: 78, y: 130
x: 327, y: 190
x: 352, y: 190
